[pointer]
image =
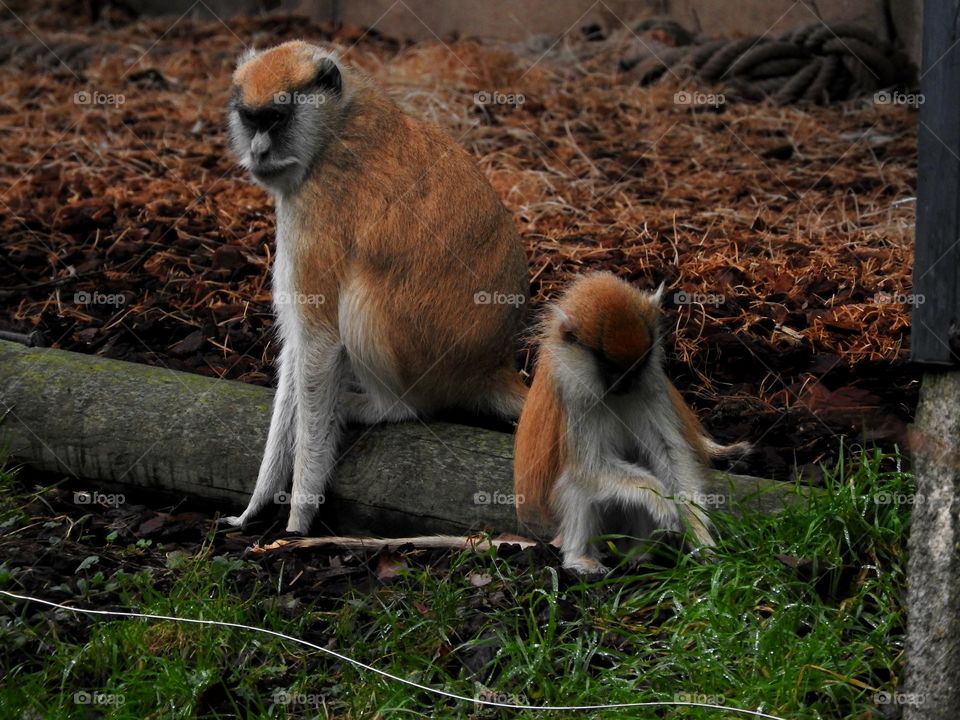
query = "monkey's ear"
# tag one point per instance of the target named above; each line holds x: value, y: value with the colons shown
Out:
x: 328, y: 76
x: 566, y: 328
x: 249, y: 54
x: 657, y: 296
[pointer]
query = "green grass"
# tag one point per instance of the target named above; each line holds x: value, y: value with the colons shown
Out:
x: 798, y: 615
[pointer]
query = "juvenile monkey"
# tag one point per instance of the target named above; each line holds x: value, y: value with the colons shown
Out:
x: 399, y: 281
x: 604, y: 435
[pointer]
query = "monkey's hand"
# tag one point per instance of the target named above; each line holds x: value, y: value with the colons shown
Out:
x: 630, y: 485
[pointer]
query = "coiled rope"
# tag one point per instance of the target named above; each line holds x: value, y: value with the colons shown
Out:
x: 817, y: 63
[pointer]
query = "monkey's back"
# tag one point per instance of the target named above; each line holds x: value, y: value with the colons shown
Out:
x: 431, y: 257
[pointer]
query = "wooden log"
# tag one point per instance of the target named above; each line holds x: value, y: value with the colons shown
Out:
x: 122, y: 423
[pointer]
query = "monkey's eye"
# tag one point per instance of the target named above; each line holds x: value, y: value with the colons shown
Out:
x: 569, y: 336
x: 263, y: 119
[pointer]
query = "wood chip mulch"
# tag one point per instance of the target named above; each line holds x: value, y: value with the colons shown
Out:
x: 784, y: 233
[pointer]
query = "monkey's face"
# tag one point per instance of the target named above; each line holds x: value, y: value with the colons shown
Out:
x: 281, y: 113
x: 598, y: 364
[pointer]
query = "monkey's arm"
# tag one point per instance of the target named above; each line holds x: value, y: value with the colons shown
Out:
x: 669, y: 512
x: 277, y: 463
x: 583, y: 491
x: 580, y: 498
x: 630, y: 484
x: 317, y: 428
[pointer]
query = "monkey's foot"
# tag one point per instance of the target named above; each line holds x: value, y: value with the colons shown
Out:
x: 237, y: 521
x: 299, y: 523
x: 586, y: 566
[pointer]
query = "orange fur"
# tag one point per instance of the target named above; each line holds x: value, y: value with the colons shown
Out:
x: 287, y: 67
x: 610, y: 317
x: 411, y: 209
x: 691, y: 427
x: 540, y: 447
x: 403, y: 216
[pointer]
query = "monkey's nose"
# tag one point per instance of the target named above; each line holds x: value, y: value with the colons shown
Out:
x: 259, y: 146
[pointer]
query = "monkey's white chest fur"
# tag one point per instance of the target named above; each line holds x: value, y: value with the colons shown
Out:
x: 284, y: 291
x: 639, y: 429
x: 630, y: 470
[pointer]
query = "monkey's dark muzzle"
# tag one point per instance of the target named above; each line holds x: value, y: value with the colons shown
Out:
x: 619, y: 379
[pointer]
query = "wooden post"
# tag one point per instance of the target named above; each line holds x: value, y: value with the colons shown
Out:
x: 935, y: 331
x: 932, y: 685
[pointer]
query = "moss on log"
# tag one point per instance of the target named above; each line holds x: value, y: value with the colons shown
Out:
x: 123, y: 423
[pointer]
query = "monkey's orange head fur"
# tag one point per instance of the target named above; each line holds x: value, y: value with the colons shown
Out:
x: 612, y: 320
x: 261, y: 76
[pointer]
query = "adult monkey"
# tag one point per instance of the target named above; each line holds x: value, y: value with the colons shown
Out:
x: 399, y: 280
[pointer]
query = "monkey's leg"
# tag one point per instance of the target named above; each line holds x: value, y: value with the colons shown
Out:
x: 506, y: 396
x: 579, y: 524
x: 367, y: 398
x: 367, y: 409
x: 317, y: 431
x: 277, y: 460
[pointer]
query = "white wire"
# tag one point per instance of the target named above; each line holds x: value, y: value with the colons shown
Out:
x: 384, y: 673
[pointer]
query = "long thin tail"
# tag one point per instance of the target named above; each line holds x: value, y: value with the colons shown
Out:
x: 734, y: 450
x: 693, y: 430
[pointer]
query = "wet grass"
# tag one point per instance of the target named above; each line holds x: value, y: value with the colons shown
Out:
x: 798, y: 615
